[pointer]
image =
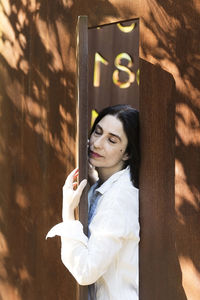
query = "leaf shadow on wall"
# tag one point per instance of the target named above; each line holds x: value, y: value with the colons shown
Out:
x: 37, y: 138
x: 172, y: 42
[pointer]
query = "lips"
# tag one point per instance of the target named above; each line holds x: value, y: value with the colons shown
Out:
x: 94, y: 154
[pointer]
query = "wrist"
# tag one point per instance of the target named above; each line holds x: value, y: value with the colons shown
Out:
x: 68, y: 215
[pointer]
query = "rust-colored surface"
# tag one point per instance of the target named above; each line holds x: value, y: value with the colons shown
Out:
x: 117, y: 47
x: 37, y: 141
x: 160, y: 274
x: 82, y: 132
x: 169, y: 39
x: 37, y: 122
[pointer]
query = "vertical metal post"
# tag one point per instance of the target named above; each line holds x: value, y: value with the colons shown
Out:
x: 82, y: 126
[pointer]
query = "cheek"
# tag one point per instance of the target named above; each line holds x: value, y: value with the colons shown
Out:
x: 122, y: 151
x: 91, y: 140
x: 117, y: 154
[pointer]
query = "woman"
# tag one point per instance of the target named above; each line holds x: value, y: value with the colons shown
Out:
x: 107, y: 259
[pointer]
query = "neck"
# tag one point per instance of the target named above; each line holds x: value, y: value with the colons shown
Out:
x: 105, y: 173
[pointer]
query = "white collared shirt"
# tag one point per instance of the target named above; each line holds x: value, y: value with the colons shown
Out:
x: 109, y: 257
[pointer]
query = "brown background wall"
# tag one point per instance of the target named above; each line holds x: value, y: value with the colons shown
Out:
x: 37, y: 139
x: 169, y: 39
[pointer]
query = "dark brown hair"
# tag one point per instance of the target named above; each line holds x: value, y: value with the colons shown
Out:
x: 130, y: 120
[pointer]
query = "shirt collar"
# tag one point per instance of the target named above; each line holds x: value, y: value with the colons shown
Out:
x: 106, y: 185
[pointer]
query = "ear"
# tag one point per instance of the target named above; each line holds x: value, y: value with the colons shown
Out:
x: 125, y: 156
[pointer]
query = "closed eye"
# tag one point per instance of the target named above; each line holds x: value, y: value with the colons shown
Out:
x: 112, y: 138
x: 113, y: 141
x: 97, y: 131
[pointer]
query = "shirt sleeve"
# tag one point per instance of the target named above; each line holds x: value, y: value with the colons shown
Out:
x: 88, y: 259
x: 88, y: 262
x: 71, y: 230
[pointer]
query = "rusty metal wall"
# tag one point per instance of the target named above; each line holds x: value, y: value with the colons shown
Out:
x: 113, y: 60
x: 37, y: 140
x: 160, y: 274
x: 169, y: 39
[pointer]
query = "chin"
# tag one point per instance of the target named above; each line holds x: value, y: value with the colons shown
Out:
x: 94, y: 163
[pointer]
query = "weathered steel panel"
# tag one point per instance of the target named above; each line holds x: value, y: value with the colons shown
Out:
x: 114, y: 64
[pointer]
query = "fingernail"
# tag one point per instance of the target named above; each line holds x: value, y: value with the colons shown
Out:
x: 75, y: 175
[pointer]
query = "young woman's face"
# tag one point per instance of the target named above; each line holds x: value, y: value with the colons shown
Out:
x: 108, y: 144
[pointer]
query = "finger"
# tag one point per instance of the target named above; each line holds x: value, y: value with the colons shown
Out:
x: 90, y: 165
x: 77, y: 171
x: 88, y: 144
x: 76, y: 175
x: 75, y: 185
x: 69, y: 180
x: 81, y: 187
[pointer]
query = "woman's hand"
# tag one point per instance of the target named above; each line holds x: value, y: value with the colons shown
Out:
x: 92, y: 174
x: 71, y: 196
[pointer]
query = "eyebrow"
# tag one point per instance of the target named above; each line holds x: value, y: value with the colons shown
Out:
x: 113, y: 134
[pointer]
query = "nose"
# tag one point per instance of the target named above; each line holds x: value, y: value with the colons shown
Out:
x: 98, y: 142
